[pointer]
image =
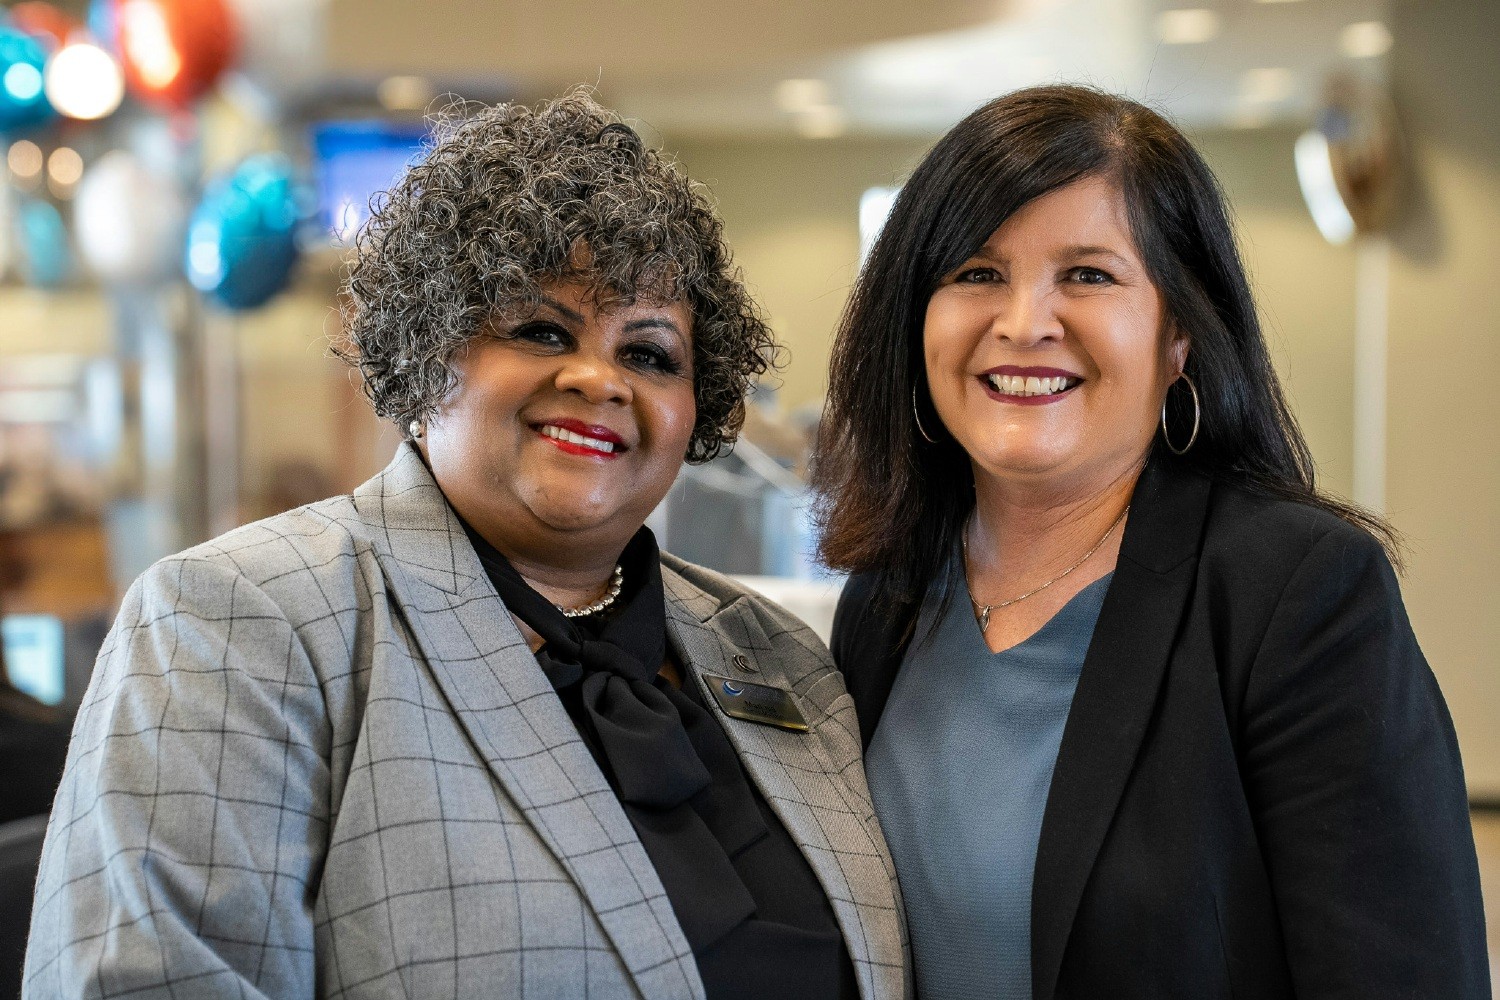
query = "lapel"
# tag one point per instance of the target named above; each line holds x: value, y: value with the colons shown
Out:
x: 517, y: 724
x: 1112, y: 707
x: 801, y: 775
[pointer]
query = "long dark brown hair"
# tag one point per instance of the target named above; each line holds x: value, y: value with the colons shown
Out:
x: 889, y: 501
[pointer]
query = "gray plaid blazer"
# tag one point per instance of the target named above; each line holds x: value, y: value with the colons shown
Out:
x: 318, y: 759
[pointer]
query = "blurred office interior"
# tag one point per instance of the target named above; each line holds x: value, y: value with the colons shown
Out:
x: 181, y: 179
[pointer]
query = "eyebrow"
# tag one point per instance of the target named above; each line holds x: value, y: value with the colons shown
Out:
x: 572, y: 315
x: 1092, y: 251
x: 644, y: 323
x: 1068, y: 253
x: 652, y: 323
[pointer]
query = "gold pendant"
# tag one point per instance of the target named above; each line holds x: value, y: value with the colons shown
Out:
x: 984, y: 617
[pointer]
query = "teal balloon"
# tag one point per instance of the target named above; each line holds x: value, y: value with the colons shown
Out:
x: 242, y: 239
x: 23, y: 103
x: 45, y: 253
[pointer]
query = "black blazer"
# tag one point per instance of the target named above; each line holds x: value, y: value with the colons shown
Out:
x: 1259, y: 792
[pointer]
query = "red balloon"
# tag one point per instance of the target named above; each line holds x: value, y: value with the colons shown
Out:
x: 44, y: 21
x: 173, y: 50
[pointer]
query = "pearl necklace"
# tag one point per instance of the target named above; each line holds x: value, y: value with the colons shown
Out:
x: 615, y: 583
x: 983, y: 610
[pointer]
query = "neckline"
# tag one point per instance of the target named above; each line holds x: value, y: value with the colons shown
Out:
x: 1067, y: 611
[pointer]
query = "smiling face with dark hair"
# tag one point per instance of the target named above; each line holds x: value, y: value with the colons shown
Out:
x: 1046, y: 352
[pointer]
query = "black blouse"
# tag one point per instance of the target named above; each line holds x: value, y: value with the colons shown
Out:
x: 754, y: 914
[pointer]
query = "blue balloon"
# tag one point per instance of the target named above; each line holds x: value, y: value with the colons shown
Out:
x: 46, y: 254
x: 104, y: 25
x: 242, y: 240
x: 22, y: 100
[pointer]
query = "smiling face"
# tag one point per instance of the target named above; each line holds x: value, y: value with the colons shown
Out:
x: 1045, y: 351
x: 567, y: 426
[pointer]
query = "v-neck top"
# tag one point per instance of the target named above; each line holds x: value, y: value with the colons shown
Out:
x: 959, y: 768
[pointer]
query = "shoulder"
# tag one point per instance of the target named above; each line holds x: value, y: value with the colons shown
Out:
x: 1278, y: 579
x: 783, y: 644
x: 858, y: 593
x: 299, y: 562
x: 865, y: 629
x: 711, y: 591
x: 1250, y: 539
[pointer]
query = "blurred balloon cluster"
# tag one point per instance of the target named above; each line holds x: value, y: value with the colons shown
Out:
x: 131, y: 218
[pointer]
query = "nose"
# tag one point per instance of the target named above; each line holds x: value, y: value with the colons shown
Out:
x: 598, y: 380
x: 1026, y: 316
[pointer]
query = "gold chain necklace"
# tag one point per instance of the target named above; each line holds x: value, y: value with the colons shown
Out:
x: 983, y: 610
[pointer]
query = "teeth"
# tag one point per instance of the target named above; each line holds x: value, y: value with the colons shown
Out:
x: 559, y: 434
x: 1030, y: 385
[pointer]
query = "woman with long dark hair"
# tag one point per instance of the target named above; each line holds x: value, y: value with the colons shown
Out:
x: 1144, y: 713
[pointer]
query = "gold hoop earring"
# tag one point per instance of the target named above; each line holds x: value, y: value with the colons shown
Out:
x: 918, y: 418
x: 1197, y: 416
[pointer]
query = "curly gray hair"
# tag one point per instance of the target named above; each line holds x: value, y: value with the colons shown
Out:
x: 504, y: 201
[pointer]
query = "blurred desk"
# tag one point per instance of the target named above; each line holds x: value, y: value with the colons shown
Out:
x: 63, y: 570
x: 58, y: 571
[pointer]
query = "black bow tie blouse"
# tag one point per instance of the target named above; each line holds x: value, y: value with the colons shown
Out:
x: 754, y: 914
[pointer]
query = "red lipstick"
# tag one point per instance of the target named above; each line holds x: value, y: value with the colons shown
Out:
x: 597, y: 432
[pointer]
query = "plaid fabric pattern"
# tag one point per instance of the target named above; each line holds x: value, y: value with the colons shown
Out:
x: 317, y: 759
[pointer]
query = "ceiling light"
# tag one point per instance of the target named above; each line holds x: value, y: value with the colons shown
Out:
x: 1249, y: 118
x: 1187, y: 27
x: 1320, y: 189
x: 83, y: 81
x: 823, y: 121
x: 801, y: 95
x: 64, y: 166
x: 1267, y: 86
x: 1365, y: 40
x: 405, y: 93
x: 1278, y: 1
x: 22, y: 81
x: 25, y: 159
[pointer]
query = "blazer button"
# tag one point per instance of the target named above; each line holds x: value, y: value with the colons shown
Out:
x: 744, y: 664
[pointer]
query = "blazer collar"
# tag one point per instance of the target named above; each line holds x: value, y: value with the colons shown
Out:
x: 412, y: 522
x: 516, y: 723
x: 1112, y: 706
x: 797, y: 773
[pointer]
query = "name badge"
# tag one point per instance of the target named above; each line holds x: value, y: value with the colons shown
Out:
x: 770, y: 706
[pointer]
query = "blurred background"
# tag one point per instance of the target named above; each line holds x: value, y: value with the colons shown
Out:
x: 181, y: 178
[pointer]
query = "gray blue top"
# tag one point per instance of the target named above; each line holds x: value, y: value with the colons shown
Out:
x: 959, y: 767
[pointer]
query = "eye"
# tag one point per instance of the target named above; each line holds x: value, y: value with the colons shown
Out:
x: 1091, y: 276
x: 976, y: 276
x: 543, y: 334
x: 651, y: 357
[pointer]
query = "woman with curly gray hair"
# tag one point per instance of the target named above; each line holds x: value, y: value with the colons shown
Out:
x: 467, y: 732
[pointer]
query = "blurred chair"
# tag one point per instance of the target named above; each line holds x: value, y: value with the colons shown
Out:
x: 20, y: 853
x: 33, y: 736
x: 744, y: 513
